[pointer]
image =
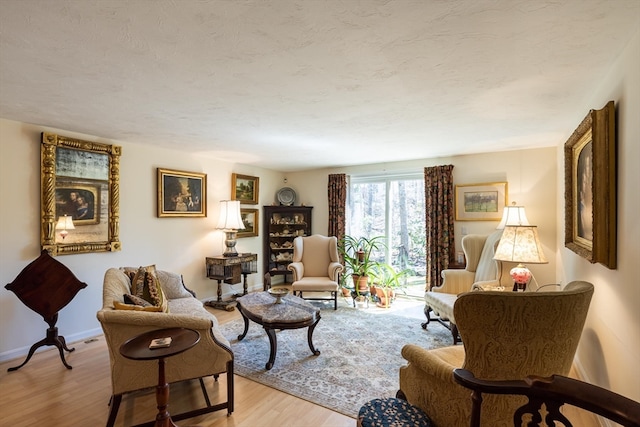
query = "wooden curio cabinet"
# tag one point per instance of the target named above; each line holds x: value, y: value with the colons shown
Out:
x: 282, y: 224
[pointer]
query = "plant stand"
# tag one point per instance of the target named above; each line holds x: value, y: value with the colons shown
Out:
x: 363, y: 296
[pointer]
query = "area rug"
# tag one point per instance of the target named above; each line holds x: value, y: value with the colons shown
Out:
x: 359, y: 356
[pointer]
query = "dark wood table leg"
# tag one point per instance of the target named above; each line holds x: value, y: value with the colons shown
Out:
x: 163, y: 419
x: 273, y: 347
x: 314, y: 350
x: 52, y: 338
x: 246, y: 327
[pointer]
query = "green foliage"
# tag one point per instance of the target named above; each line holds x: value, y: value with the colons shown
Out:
x: 386, y: 276
x: 357, y: 254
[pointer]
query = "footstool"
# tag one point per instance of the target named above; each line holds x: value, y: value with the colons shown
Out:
x: 391, y: 412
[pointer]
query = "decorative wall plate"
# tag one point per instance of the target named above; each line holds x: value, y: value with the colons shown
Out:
x: 286, y: 196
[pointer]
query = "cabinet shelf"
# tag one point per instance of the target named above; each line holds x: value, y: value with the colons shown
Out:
x: 282, y: 224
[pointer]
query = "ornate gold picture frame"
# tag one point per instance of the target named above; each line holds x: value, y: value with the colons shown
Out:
x: 79, y: 180
x: 245, y: 188
x: 250, y: 221
x: 590, y: 188
x: 181, y: 194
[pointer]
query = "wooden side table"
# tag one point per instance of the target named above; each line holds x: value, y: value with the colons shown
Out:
x: 228, y: 270
x: 46, y: 286
x: 137, y: 348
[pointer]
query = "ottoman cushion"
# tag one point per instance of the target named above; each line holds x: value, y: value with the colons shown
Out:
x: 391, y: 412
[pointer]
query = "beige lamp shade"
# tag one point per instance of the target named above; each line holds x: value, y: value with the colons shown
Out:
x: 230, y: 218
x: 520, y: 244
x: 513, y: 215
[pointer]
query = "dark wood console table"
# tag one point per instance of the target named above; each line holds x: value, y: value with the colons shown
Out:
x: 230, y: 270
x: 46, y: 286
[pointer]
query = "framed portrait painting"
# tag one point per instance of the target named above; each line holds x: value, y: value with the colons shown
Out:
x: 245, y: 188
x: 590, y: 188
x: 181, y: 194
x: 480, y: 202
x: 250, y: 221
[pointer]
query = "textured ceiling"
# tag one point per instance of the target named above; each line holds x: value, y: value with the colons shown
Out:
x: 299, y: 84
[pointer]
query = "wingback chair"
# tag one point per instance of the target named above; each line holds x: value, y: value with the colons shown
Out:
x: 481, y: 272
x: 316, y: 266
x: 505, y: 335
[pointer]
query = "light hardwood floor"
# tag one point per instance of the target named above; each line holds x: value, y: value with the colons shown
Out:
x: 44, y: 393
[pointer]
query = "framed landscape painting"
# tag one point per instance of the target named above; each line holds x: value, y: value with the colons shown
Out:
x: 181, y: 194
x: 480, y: 202
x: 245, y: 188
x: 250, y: 221
x: 590, y: 188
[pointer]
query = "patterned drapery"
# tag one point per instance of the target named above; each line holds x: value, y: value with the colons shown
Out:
x: 337, y: 196
x: 439, y: 212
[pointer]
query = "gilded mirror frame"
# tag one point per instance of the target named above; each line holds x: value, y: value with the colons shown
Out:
x: 70, y: 165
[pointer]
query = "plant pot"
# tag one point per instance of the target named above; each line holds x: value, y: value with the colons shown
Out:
x: 345, y: 291
x: 361, y: 283
x: 385, y: 297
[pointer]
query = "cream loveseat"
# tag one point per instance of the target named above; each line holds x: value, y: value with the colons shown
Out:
x: 211, y: 356
x: 482, y: 272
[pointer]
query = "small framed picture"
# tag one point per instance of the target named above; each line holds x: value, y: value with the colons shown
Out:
x: 181, y: 193
x: 250, y: 221
x: 480, y: 202
x: 245, y: 188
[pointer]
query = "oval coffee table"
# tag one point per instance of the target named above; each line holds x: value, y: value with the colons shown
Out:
x: 292, y: 313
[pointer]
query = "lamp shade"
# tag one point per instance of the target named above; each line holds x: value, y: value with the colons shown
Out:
x: 230, y: 218
x: 65, y: 223
x: 520, y: 244
x: 513, y: 215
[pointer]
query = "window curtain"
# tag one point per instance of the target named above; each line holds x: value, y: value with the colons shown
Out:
x: 337, y: 195
x: 439, y: 213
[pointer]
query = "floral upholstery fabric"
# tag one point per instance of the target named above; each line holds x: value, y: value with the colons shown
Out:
x: 391, y: 412
x: 505, y: 335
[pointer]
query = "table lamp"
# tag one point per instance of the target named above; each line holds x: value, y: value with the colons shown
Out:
x: 513, y: 215
x: 64, y: 224
x: 230, y: 222
x: 520, y: 244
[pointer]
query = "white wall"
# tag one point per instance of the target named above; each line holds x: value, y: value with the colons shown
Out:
x: 175, y: 244
x: 530, y: 174
x: 610, y: 346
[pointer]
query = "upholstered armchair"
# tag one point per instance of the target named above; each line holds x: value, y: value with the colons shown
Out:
x: 482, y: 272
x: 211, y: 356
x: 316, y: 266
x: 505, y: 335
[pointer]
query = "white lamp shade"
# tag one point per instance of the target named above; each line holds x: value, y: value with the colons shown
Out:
x: 520, y: 244
x: 65, y: 223
x: 513, y: 215
x: 230, y: 218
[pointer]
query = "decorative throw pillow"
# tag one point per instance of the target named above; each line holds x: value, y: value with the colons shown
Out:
x: 146, y: 285
x: 122, y: 306
x: 136, y: 300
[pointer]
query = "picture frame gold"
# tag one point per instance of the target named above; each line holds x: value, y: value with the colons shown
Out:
x: 181, y: 193
x: 480, y: 202
x: 250, y: 221
x: 80, y: 179
x: 245, y: 188
x: 590, y: 188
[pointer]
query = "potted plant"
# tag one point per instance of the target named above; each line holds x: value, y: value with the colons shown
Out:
x: 386, y: 279
x: 357, y: 255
